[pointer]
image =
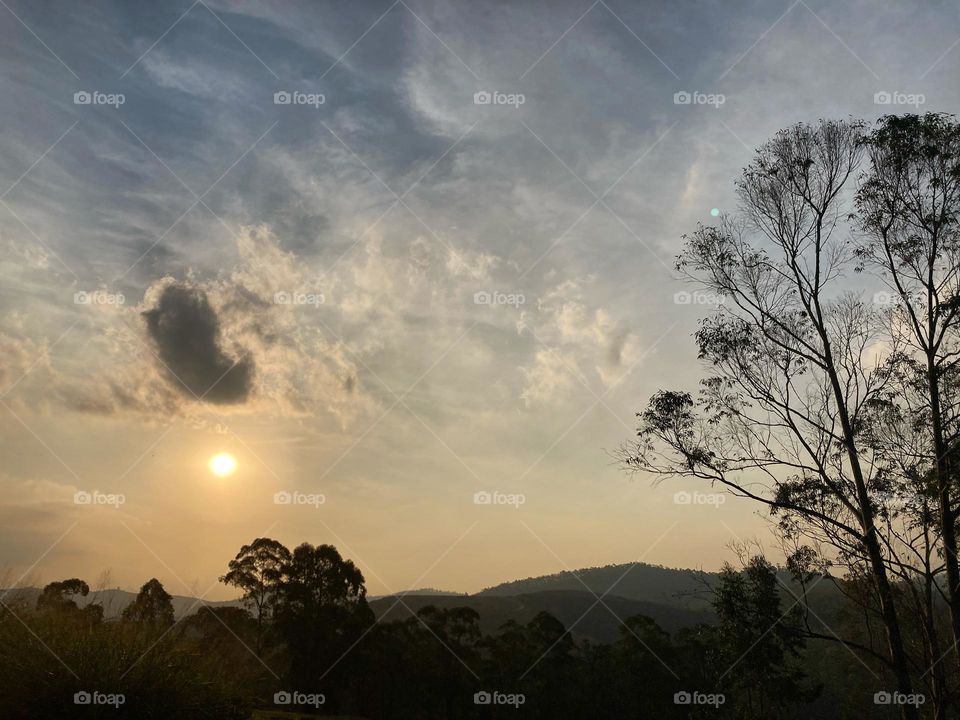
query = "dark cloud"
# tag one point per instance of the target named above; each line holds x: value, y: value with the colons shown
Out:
x: 615, y: 349
x: 186, y: 331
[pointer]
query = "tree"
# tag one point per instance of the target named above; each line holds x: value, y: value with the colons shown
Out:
x: 646, y: 651
x: 909, y: 207
x: 321, y: 611
x: 257, y: 570
x: 446, y: 651
x: 151, y: 608
x: 779, y: 418
x: 541, y: 660
x: 58, y: 595
x: 317, y: 577
x: 552, y: 666
x: 759, y: 644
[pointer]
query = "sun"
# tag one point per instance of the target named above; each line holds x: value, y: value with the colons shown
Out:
x: 222, y: 464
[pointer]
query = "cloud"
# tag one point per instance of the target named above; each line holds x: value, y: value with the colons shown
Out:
x: 20, y: 356
x: 186, y: 331
x: 551, y: 373
x: 222, y: 336
x: 573, y: 339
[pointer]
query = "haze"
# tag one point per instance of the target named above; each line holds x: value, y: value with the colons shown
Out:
x: 388, y: 257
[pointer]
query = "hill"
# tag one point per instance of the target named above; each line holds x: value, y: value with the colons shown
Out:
x: 632, y: 581
x: 421, y: 591
x: 674, y: 598
x: 598, y: 622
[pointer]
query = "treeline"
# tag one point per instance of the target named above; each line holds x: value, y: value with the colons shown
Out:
x: 307, y: 642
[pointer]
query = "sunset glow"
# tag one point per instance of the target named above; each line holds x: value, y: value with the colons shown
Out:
x: 223, y: 464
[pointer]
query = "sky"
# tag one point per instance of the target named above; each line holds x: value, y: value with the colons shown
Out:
x: 397, y: 259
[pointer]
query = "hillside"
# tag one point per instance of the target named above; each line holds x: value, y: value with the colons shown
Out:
x: 674, y: 598
x: 593, y: 620
x: 421, y: 591
x: 632, y: 581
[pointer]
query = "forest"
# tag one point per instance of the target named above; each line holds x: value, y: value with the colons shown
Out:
x: 308, y: 643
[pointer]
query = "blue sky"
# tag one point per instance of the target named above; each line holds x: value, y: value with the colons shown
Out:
x: 386, y: 214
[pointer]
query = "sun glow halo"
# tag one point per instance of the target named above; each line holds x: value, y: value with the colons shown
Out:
x: 223, y: 464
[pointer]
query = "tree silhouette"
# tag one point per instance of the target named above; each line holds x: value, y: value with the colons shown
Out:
x: 909, y: 207
x: 321, y: 611
x: 779, y: 420
x: 57, y: 595
x: 152, y: 607
x: 257, y: 570
x: 759, y: 644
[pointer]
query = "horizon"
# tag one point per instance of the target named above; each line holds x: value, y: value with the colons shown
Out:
x: 37, y: 585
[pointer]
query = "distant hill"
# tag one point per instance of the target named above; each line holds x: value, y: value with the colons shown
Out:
x: 421, y: 591
x: 674, y: 598
x: 593, y: 621
x: 599, y: 624
x: 632, y: 581
x: 114, y: 600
